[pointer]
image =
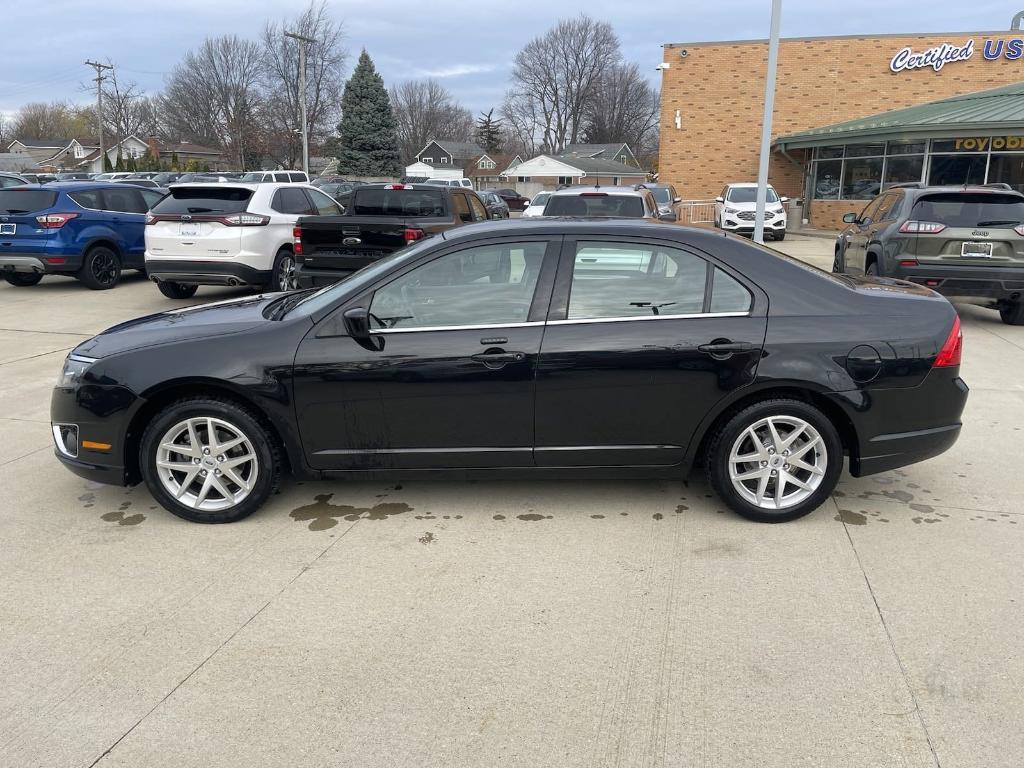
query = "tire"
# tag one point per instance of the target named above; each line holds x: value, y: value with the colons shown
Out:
x: 779, y: 236
x: 837, y: 266
x: 257, y: 460
x: 872, y: 270
x: 177, y: 290
x: 23, y: 279
x: 817, y: 436
x: 101, y: 268
x: 1013, y: 313
x: 282, y: 277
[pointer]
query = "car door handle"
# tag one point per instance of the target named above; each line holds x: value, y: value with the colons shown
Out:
x: 724, y: 347
x: 498, y: 357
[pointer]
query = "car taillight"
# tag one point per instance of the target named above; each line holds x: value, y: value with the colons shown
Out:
x: 593, y: 194
x: 297, y: 241
x: 396, y: 186
x: 922, y: 227
x: 54, y: 220
x: 1019, y: 229
x: 244, y: 220
x: 412, y: 235
x: 908, y: 262
x: 952, y: 350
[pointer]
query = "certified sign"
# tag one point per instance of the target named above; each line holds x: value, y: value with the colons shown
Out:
x: 932, y: 58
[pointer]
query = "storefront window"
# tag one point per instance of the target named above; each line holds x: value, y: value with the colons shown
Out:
x: 862, y: 179
x: 905, y: 148
x: 957, y: 169
x: 1008, y: 169
x: 902, y: 169
x: 826, y: 179
x: 828, y: 152
x: 865, y: 150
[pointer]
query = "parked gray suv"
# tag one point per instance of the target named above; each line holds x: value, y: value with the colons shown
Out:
x: 964, y: 242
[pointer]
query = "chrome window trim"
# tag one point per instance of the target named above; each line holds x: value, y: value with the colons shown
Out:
x: 82, y: 359
x: 481, y: 327
x: 691, y: 316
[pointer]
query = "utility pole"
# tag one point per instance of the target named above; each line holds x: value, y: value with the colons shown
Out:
x: 302, y: 94
x: 99, y: 106
x: 766, y: 124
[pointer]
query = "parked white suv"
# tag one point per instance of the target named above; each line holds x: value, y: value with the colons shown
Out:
x: 736, y: 207
x: 228, y: 233
x: 467, y: 183
x: 281, y: 177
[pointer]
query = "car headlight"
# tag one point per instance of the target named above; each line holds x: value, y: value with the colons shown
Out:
x: 75, y: 367
x: 732, y: 210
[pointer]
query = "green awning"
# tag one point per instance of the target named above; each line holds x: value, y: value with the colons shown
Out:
x: 999, y: 109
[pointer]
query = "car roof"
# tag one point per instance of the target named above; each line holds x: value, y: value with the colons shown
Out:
x: 579, y: 225
x: 972, y: 188
x: 745, y: 184
x: 250, y: 185
x: 579, y: 190
x: 72, y: 185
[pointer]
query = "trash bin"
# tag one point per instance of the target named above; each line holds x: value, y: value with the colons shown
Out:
x: 794, y: 214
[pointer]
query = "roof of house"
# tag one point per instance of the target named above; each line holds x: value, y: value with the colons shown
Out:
x: 461, y: 150
x: 608, y: 151
x: 186, y: 147
x: 591, y: 165
x: 501, y: 162
x: 999, y: 108
x: 44, y: 143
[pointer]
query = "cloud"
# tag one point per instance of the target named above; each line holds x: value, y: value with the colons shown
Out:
x: 455, y: 70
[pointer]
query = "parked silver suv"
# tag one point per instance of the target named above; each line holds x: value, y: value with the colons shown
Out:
x: 618, y: 202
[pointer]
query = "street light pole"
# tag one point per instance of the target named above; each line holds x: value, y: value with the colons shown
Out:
x: 766, y: 123
x: 302, y: 94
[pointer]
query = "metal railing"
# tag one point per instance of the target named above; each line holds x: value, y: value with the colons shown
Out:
x: 696, y: 211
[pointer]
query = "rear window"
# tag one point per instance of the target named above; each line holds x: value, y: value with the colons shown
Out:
x: 398, y: 202
x: 965, y: 209
x: 627, y: 206
x: 204, y: 200
x: 26, y: 200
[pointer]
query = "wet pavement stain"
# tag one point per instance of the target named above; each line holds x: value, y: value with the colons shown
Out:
x: 658, y: 516
x: 323, y: 515
x: 850, y: 517
x: 534, y: 517
x: 598, y: 517
x: 119, y: 517
x: 919, y: 520
x: 499, y: 517
x: 426, y: 538
x: 89, y: 499
x: 924, y: 508
x: 624, y: 514
x: 680, y: 508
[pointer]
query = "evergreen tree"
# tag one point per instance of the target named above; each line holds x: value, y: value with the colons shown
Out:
x: 368, y: 137
x: 489, y: 132
x: 175, y: 164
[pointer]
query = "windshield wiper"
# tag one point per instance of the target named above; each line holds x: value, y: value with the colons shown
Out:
x: 288, y: 302
x: 996, y: 222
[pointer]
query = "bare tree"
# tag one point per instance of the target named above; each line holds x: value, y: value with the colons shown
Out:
x: 5, y: 132
x: 554, y: 76
x: 213, y: 96
x: 623, y: 107
x: 123, y: 105
x: 425, y: 110
x: 325, y: 81
x: 57, y: 119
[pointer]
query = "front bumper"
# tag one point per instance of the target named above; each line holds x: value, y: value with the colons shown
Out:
x: 744, y: 227
x: 997, y: 283
x: 206, y: 273
x: 101, y: 413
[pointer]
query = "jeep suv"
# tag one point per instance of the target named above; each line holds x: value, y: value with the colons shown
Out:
x: 965, y: 242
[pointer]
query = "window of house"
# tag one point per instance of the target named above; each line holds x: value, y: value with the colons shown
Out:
x: 565, y: 180
x: 485, y: 285
x: 426, y: 159
x: 444, y: 161
x: 486, y: 163
x: 522, y: 179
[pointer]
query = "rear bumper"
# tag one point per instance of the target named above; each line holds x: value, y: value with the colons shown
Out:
x: 966, y: 281
x: 206, y: 273
x: 315, y: 278
x: 898, y: 450
x: 39, y: 264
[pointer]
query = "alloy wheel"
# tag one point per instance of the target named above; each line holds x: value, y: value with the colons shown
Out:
x: 286, y: 279
x: 777, y: 462
x: 207, y: 464
x: 104, y: 268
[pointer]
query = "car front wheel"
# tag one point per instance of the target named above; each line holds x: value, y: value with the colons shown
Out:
x: 1013, y: 313
x: 209, y: 460
x: 775, y: 460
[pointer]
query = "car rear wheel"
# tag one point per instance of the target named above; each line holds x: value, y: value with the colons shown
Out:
x: 283, y: 277
x: 1012, y: 313
x: 177, y: 290
x: 775, y: 460
x: 872, y: 270
x: 209, y: 460
x: 101, y: 269
x: 22, y: 279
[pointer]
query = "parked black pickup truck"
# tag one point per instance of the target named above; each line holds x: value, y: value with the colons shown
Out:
x: 380, y: 219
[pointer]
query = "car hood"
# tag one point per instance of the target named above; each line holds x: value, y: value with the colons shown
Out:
x: 204, y: 320
x: 753, y: 206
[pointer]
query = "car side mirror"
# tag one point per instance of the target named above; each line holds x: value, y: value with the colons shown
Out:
x: 677, y: 199
x: 526, y: 202
x: 850, y: 218
x: 783, y: 199
x: 357, y: 323
x: 719, y: 199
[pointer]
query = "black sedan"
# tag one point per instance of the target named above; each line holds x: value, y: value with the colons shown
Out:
x: 546, y: 347
x: 496, y: 207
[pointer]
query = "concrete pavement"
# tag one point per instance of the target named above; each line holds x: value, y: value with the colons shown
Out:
x: 444, y: 623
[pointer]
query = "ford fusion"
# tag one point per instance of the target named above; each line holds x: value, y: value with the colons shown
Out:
x: 551, y: 347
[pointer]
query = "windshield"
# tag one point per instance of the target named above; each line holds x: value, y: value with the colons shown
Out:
x: 749, y: 195
x: 16, y: 200
x: 595, y: 204
x: 661, y: 194
x: 540, y: 199
x: 252, y: 177
x: 398, y: 202
x: 960, y: 209
x: 328, y: 294
x: 204, y: 200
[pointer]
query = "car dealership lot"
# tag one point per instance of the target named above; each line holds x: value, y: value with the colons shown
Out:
x: 439, y: 622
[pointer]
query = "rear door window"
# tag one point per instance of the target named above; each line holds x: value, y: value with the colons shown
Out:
x: 479, y: 212
x: 971, y: 209
x: 216, y: 200
x: 323, y: 204
x: 462, y: 207
x: 406, y: 203
x: 87, y: 198
x: 152, y: 197
x: 26, y: 200
x: 292, y: 200
x: 126, y: 200
x: 297, y: 177
x: 281, y: 177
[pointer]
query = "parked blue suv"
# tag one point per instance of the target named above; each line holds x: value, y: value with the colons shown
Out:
x: 89, y: 230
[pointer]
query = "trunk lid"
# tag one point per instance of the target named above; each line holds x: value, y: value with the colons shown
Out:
x: 978, y: 229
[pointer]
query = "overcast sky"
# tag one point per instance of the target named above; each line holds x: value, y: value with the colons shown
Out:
x: 468, y: 45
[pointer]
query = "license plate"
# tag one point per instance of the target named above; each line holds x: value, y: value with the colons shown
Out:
x: 8, y: 229
x: 188, y: 230
x: 976, y: 249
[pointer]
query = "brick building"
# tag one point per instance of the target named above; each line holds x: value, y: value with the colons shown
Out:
x: 838, y: 135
